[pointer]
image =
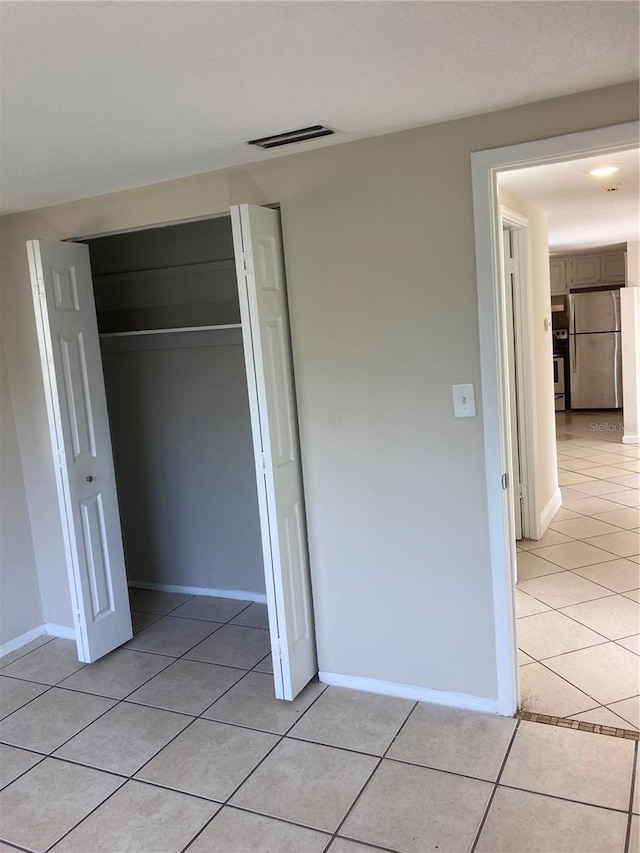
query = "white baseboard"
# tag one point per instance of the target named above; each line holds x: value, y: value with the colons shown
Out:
x: 547, y: 514
x: 241, y: 595
x: 408, y: 691
x: 47, y: 630
x: 631, y: 439
x: 22, y: 640
x: 60, y: 631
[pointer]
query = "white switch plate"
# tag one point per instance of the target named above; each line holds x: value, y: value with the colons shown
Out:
x: 464, y: 401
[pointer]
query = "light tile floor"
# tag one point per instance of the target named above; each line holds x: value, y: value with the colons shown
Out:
x: 577, y: 590
x: 175, y: 743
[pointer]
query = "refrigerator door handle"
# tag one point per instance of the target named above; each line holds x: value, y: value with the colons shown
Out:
x: 614, y: 313
x: 574, y: 360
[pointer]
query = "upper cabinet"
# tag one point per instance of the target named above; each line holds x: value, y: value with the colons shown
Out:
x: 584, y: 271
x: 612, y: 267
x: 557, y: 272
x: 578, y: 271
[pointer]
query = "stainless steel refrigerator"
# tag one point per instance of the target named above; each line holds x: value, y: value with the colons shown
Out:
x: 595, y: 352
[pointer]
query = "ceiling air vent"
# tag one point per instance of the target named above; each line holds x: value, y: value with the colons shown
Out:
x: 302, y: 135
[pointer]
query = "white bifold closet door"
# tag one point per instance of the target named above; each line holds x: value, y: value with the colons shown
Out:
x: 265, y: 330
x: 82, y: 457
x: 81, y: 444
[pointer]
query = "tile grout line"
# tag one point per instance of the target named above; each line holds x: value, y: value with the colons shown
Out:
x: 14, y: 846
x: 561, y: 609
x: 570, y: 683
x: 24, y: 772
x: 125, y: 777
x: 380, y: 758
x: 495, y: 789
x: 190, y: 649
x: 130, y: 777
x: 622, y: 811
x: 84, y: 817
x: 20, y: 657
x: 634, y: 782
x: 548, y: 668
x: 117, y: 701
x: 280, y: 738
x: 47, y: 687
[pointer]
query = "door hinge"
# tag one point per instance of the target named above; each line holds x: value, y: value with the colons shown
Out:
x: 38, y: 287
x: 59, y: 458
x: 243, y: 262
x: 505, y: 482
x: 279, y: 647
x: 265, y: 463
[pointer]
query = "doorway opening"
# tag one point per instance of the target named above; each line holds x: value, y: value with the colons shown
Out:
x: 171, y: 343
x: 497, y: 414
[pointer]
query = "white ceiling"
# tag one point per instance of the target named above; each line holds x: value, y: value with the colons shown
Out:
x: 101, y: 96
x: 581, y: 215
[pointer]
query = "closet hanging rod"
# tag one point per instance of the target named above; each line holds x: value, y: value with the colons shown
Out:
x: 170, y: 331
x: 206, y: 266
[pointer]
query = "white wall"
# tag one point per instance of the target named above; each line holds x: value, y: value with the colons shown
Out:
x: 546, y: 471
x: 20, y: 608
x: 379, y: 247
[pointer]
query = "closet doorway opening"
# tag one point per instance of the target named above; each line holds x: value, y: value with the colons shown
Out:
x: 171, y: 343
x: 181, y: 333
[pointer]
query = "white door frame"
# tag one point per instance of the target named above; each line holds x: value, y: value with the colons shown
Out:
x: 485, y: 166
x: 526, y: 406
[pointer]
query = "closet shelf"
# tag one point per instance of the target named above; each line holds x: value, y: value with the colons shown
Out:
x: 160, y: 272
x: 136, y: 332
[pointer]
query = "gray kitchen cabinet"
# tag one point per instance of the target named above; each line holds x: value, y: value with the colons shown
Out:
x: 576, y: 271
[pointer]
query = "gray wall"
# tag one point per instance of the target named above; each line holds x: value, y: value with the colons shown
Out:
x: 379, y: 246
x: 181, y: 435
x: 20, y: 608
x: 178, y: 408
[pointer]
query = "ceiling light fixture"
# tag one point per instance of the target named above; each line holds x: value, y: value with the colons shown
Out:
x: 603, y: 171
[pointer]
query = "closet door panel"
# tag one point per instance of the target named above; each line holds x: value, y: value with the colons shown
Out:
x: 265, y: 328
x: 81, y: 445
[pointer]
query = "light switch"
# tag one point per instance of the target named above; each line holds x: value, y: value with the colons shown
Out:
x: 464, y: 401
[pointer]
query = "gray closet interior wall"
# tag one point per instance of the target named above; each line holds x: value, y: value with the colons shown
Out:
x: 178, y: 407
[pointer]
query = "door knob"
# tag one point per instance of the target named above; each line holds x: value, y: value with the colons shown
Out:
x: 89, y: 479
